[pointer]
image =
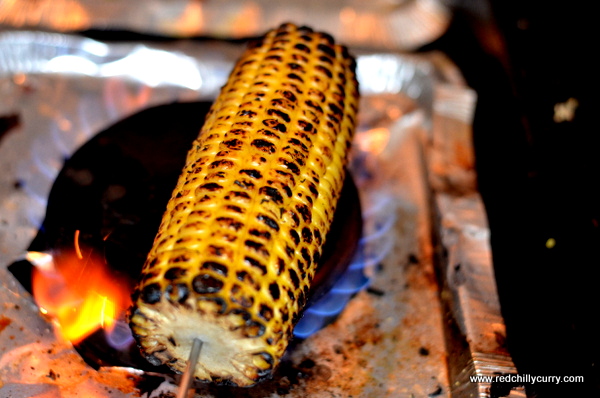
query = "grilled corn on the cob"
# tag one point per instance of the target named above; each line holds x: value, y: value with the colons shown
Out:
x: 239, y: 243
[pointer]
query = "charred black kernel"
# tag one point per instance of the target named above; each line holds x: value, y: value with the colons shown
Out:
x: 175, y: 273
x: 244, y: 276
x: 260, y: 234
x: 318, y: 94
x: 264, y: 145
x: 205, y: 198
x: 290, y: 251
x: 293, y: 167
x: 313, y: 188
x: 275, y: 124
x: 205, y: 283
x: 268, y: 221
x: 273, y: 58
x: 239, y: 194
x: 293, y: 76
x: 274, y: 112
x: 280, y: 265
x: 274, y: 290
x: 293, y: 86
x: 296, y: 317
x: 247, y: 112
x: 297, y: 156
x: 244, y: 184
x: 269, y: 133
x: 285, y: 317
x: 314, y: 105
x: 246, y: 123
x: 153, y: 263
x: 213, y: 175
x: 254, y: 329
x: 256, y: 264
x: 317, y: 235
x: 327, y: 37
x: 234, y: 145
x: 216, y: 267
x: 216, y: 250
x: 289, y: 95
x: 223, y: 163
x: 306, y: 38
x: 181, y: 258
x: 211, y: 186
x: 235, y: 209
x: 148, y: 275
x: 177, y: 293
x: 288, y: 191
x: 272, y: 193
x: 294, y: 217
x: 251, y: 61
x: 327, y: 50
x: 302, y: 48
x: 295, y: 236
x: 326, y: 59
x: 295, y: 66
x: 151, y: 294
x: 324, y: 70
x: 298, y: 143
x: 299, y: 57
x: 305, y: 212
x: 230, y: 222
x: 301, y: 266
x: 291, y: 295
x: 307, y: 235
x: 283, y: 103
x: 306, y: 126
x: 239, y: 132
x: 256, y: 246
x: 178, y: 208
x: 252, y: 173
x: 266, y: 312
x: 288, y: 176
x: 306, y: 255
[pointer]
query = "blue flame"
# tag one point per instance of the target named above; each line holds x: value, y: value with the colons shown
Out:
x: 376, y: 242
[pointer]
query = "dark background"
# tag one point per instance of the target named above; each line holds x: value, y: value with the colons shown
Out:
x: 538, y: 177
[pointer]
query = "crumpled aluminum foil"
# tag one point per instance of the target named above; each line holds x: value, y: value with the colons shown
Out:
x: 63, y: 88
x: 392, y: 24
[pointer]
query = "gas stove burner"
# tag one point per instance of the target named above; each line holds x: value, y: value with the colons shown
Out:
x: 110, y: 196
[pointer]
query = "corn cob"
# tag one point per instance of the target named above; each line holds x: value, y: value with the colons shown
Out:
x: 242, y: 235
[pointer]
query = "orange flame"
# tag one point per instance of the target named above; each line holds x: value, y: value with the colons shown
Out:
x: 78, y: 291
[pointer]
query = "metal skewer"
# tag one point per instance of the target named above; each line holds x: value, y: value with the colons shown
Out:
x: 190, y: 369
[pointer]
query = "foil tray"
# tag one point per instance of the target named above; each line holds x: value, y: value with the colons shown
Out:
x: 391, y: 340
x: 385, y: 24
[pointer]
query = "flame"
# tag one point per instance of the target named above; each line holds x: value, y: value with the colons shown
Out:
x: 78, y: 291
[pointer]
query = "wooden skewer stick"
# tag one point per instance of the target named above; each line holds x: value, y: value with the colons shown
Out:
x: 190, y: 369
